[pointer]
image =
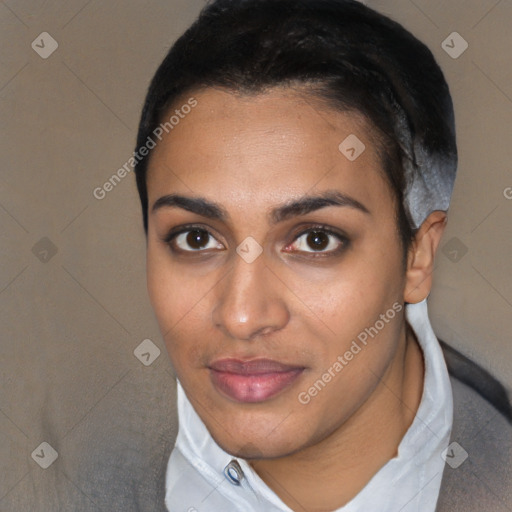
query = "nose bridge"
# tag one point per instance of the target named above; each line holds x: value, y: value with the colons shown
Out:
x: 249, y: 302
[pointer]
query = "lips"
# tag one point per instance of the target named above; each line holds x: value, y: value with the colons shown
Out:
x: 252, y: 381
x: 252, y: 367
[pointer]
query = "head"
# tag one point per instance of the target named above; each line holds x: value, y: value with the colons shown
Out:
x: 302, y: 157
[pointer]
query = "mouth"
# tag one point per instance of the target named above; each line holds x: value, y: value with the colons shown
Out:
x: 252, y: 381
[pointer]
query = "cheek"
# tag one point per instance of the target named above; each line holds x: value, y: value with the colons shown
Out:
x: 355, y: 358
x: 162, y: 290
x: 352, y: 297
x: 170, y: 292
x: 359, y: 303
x: 180, y: 301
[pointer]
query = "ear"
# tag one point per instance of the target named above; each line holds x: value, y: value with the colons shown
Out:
x: 420, y: 258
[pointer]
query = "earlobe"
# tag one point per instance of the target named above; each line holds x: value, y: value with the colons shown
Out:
x: 420, y: 259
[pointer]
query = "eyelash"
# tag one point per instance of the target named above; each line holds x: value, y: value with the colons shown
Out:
x: 170, y: 237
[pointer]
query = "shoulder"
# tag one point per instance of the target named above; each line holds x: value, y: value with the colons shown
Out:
x: 482, y: 431
x: 478, y: 379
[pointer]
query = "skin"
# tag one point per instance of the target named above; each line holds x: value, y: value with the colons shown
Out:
x: 250, y: 154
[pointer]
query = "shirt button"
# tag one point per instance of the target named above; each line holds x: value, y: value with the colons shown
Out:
x: 233, y: 472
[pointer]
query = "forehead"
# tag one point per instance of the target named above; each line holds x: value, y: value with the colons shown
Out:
x: 266, y: 147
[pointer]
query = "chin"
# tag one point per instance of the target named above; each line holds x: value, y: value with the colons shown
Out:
x: 262, y: 445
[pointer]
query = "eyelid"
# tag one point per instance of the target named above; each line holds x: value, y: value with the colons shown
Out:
x: 343, y: 239
x: 172, y: 234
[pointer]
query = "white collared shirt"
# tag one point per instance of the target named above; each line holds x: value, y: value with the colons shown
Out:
x: 196, y: 479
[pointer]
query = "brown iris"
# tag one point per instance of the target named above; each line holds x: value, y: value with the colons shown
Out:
x: 317, y: 240
x: 197, y: 238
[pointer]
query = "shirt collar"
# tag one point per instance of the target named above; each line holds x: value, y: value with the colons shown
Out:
x: 409, y: 482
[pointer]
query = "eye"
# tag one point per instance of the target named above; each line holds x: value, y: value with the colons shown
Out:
x: 319, y: 240
x: 193, y: 239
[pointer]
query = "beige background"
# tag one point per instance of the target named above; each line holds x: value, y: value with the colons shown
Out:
x: 70, y: 324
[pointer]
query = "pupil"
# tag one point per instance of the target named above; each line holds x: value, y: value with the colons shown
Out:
x: 197, y: 238
x: 318, y: 240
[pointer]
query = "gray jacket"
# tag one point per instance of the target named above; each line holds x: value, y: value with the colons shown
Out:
x: 482, y: 426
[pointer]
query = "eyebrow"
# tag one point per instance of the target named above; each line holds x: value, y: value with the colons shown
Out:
x: 290, y: 209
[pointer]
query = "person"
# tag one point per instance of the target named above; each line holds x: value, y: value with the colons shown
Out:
x: 295, y: 162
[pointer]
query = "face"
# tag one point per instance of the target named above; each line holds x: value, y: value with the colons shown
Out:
x: 278, y: 258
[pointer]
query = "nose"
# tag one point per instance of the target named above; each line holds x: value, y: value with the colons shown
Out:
x: 250, y: 301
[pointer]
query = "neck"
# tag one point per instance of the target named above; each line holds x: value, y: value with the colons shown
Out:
x: 310, y: 480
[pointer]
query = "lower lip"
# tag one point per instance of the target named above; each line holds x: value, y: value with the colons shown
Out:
x: 253, y: 388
